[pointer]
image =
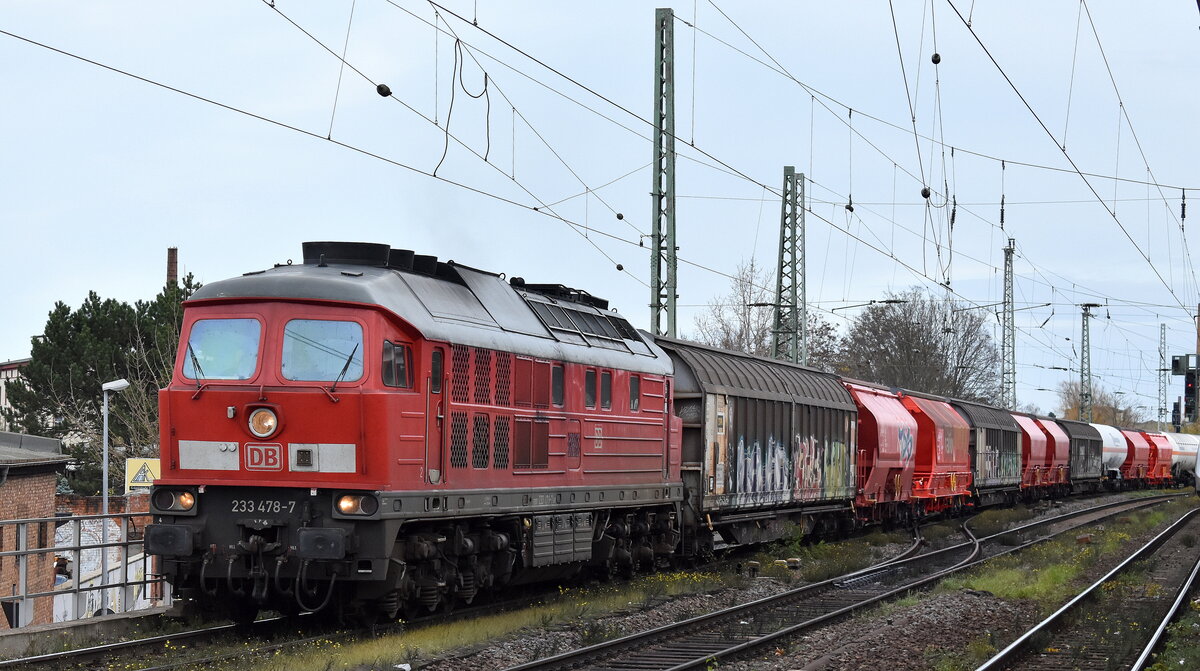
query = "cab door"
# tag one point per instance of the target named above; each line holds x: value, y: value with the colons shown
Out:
x: 435, y: 416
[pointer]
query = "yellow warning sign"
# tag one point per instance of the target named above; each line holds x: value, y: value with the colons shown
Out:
x: 140, y: 473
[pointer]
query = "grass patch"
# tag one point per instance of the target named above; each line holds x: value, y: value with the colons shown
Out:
x: 1048, y: 573
x: 576, y: 608
x: 936, y: 532
x: 995, y: 520
x: 825, y: 560
x: 976, y: 652
x: 1182, y: 648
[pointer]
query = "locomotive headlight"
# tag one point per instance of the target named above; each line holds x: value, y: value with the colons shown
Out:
x: 174, y: 500
x: 263, y: 422
x: 357, y: 504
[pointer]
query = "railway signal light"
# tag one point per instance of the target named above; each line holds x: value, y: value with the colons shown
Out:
x: 1189, y: 395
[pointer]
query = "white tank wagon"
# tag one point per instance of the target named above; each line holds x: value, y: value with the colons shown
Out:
x: 1116, y: 449
x: 1184, y: 447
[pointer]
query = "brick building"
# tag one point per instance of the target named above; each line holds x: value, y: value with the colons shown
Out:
x: 9, y: 371
x: 29, y: 468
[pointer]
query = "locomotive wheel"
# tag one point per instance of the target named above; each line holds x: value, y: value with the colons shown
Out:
x: 242, y: 612
x: 606, y: 571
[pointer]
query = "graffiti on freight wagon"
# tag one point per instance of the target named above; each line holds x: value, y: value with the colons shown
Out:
x: 771, y: 471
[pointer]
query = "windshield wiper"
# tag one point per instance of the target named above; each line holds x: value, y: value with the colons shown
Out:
x: 196, y: 365
x: 345, y: 368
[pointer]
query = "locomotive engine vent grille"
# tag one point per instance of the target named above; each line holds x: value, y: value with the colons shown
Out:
x: 481, y: 441
x: 503, y: 378
x: 500, y: 447
x: 459, y: 392
x: 458, y: 439
x: 483, y: 376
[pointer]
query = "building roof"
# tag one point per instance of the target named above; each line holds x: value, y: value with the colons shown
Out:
x: 15, y: 363
x: 19, y: 450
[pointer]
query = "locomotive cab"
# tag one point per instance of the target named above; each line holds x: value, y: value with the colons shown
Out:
x: 272, y: 474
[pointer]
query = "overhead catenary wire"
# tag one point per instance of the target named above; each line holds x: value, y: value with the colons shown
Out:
x: 896, y: 126
x: 1086, y: 181
x: 338, y: 91
x: 586, y: 191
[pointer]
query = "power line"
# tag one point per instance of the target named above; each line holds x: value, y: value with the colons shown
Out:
x: 1067, y: 156
x: 895, y: 126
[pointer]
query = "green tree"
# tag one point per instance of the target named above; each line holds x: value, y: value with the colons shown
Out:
x: 920, y: 342
x: 79, y: 350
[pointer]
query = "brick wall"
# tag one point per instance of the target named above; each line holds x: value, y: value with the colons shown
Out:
x: 21, y: 497
x: 92, y: 505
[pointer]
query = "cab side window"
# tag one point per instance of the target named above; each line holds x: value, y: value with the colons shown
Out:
x: 589, y: 388
x: 435, y: 372
x: 606, y: 390
x: 556, y: 385
x: 397, y: 365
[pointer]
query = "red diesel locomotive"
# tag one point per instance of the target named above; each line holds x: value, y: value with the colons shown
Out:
x: 379, y: 432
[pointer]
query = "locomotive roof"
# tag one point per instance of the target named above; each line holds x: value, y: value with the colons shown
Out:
x: 460, y: 305
x: 720, y: 371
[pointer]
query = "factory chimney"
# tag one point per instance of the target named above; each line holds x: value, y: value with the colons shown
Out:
x: 172, y: 266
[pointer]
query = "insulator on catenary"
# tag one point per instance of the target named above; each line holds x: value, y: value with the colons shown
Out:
x: 953, y: 209
x: 1183, y: 207
x: 1001, y: 210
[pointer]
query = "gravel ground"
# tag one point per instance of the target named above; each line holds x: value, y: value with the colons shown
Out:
x: 918, y: 636
x: 892, y: 638
x: 527, y: 646
x: 903, y: 639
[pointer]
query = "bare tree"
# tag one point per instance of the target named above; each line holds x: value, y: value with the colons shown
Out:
x: 1107, y: 407
x: 742, y: 320
x: 920, y: 342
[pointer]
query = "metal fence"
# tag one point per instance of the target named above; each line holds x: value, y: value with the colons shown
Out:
x: 79, y: 585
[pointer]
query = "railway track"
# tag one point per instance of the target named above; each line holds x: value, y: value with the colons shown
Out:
x: 1116, y: 622
x: 280, y: 634
x: 699, y: 642
x: 276, y: 633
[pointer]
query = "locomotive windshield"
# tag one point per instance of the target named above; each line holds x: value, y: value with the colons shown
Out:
x: 322, y: 351
x: 222, y: 349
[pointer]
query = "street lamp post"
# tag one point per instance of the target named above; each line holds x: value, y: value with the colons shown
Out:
x: 106, y: 388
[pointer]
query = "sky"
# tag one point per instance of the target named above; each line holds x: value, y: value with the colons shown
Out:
x: 237, y: 130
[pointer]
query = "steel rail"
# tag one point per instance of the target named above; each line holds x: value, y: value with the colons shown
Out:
x: 607, y: 650
x: 923, y: 582
x: 1181, y: 598
x: 106, y: 648
x: 1013, y: 652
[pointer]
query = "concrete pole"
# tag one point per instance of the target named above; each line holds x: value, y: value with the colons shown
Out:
x: 104, y: 511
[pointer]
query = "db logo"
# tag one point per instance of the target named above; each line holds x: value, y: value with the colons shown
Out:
x: 264, y: 457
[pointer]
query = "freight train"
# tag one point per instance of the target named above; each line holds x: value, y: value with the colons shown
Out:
x: 383, y: 434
